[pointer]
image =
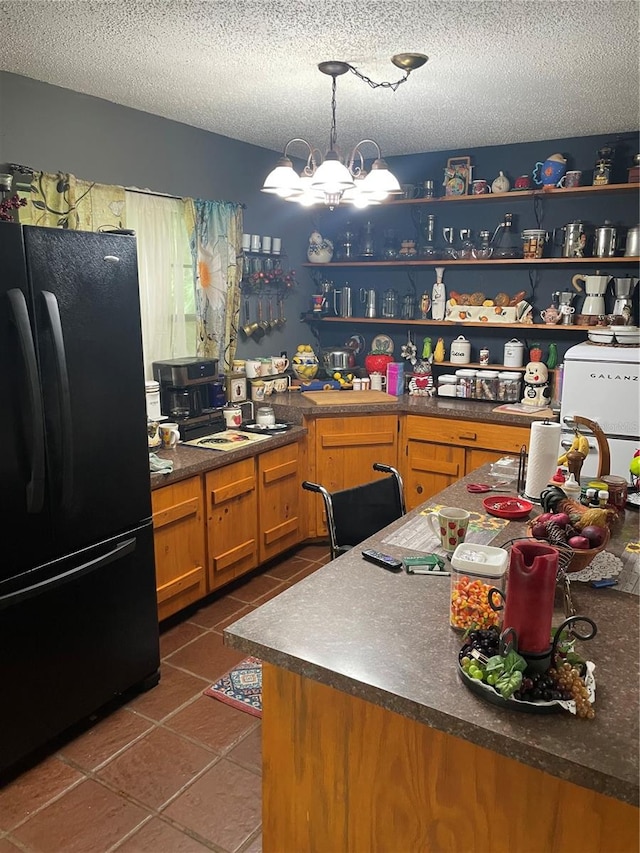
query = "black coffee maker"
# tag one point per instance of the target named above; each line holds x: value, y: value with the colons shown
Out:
x: 192, y: 394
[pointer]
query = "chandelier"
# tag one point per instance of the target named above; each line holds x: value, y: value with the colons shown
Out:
x: 331, y: 180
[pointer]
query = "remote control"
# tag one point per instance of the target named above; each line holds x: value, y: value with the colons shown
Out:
x: 383, y: 560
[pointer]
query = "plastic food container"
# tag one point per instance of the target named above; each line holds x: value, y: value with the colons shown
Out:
x: 466, y: 386
x: 509, y: 386
x: 447, y: 385
x: 486, y: 385
x: 475, y: 569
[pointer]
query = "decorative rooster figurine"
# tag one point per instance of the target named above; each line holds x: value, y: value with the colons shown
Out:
x: 320, y: 251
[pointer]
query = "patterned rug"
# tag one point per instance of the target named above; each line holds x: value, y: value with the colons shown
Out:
x: 241, y: 687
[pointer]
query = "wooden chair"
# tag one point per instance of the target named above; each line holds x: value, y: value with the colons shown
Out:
x: 356, y: 513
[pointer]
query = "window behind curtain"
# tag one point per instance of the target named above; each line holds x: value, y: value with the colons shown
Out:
x: 167, y: 294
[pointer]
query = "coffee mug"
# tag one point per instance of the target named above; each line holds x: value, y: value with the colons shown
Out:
x: 523, y: 182
x: 253, y: 368
x: 170, y: 434
x: 570, y: 179
x: 409, y: 190
x: 319, y: 303
x: 232, y: 416
x: 266, y: 367
x: 153, y: 434
x: 450, y: 525
x: 269, y: 385
x: 480, y: 187
x: 378, y: 381
x: 257, y: 390
x: 281, y: 384
x: 279, y: 363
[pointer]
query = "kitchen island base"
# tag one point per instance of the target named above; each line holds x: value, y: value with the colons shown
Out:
x: 343, y: 774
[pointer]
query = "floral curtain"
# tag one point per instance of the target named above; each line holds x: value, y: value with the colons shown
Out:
x: 216, y: 242
x: 64, y: 201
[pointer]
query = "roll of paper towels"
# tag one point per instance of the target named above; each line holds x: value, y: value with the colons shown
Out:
x: 542, y: 461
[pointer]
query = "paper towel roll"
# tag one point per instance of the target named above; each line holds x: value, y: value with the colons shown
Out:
x: 542, y: 461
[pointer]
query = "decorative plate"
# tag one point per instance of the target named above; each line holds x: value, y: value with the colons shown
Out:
x: 503, y: 507
x: 355, y: 343
x: 382, y: 343
x: 265, y: 429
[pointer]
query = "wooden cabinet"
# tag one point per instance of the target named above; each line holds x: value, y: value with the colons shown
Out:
x: 232, y: 521
x: 179, y: 541
x: 279, y: 501
x: 438, y: 451
x: 342, y: 452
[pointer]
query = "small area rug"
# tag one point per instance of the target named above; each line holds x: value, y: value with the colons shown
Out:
x: 241, y: 687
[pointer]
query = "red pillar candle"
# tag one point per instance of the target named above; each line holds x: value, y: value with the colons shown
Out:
x: 531, y: 583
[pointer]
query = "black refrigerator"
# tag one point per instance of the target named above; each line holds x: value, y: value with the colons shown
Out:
x: 78, y: 619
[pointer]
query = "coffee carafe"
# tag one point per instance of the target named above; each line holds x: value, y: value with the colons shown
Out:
x: 368, y: 298
x: 595, y: 287
x: 344, y: 309
x: 623, y: 289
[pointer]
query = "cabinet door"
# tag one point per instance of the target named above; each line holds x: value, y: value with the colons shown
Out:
x: 345, y: 450
x: 279, y: 501
x: 232, y: 521
x: 429, y: 468
x: 178, y: 534
x: 477, y: 456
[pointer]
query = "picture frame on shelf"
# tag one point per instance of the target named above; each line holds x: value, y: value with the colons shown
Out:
x: 457, y: 176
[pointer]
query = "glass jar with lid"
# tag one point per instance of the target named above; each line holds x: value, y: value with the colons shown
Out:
x: 447, y: 385
x: 509, y: 386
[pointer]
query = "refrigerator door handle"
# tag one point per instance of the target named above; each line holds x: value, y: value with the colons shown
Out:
x: 64, y: 394
x: 35, y: 486
x: 121, y: 550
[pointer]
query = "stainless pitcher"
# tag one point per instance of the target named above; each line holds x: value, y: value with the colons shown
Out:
x: 345, y: 309
x: 368, y: 299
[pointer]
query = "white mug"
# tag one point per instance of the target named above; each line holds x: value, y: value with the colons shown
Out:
x: 281, y: 383
x: 378, y: 381
x: 253, y: 368
x: 279, y: 363
x: 232, y: 416
x: 170, y: 434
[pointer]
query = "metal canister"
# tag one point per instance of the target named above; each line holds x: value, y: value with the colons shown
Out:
x: 604, y: 241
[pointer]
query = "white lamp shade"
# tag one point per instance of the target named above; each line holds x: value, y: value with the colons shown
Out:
x: 332, y: 176
x: 282, y: 181
x: 308, y: 196
x: 381, y: 180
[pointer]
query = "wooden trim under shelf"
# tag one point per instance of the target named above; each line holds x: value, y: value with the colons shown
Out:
x: 472, y: 262
x: 452, y: 324
x: 538, y: 192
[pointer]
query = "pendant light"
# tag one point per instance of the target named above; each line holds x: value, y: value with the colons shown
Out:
x: 329, y: 180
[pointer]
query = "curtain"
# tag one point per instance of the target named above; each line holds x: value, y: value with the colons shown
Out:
x: 165, y: 274
x: 216, y: 240
x: 64, y: 201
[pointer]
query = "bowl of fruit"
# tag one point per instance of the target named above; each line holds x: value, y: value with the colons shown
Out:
x: 579, y: 533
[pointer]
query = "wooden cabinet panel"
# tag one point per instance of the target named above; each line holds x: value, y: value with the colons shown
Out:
x: 477, y: 456
x: 279, y: 501
x: 430, y: 468
x: 232, y: 521
x: 508, y: 439
x: 179, y: 541
x: 344, y: 451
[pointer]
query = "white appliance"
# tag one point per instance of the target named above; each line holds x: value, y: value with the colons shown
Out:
x: 602, y: 383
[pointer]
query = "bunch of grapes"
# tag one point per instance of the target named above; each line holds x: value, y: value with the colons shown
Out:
x: 569, y: 680
x: 486, y: 641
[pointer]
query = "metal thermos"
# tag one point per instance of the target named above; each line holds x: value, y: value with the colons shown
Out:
x: 345, y: 308
x: 368, y: 298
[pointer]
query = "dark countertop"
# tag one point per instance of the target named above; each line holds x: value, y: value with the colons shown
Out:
x: 386, y: 638
x: 190, y: 461
x: 294, y: 405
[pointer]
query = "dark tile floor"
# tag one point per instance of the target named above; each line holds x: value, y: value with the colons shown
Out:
x: 170, y: 771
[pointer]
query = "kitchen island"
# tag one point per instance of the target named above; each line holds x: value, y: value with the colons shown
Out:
x: 371, y: 741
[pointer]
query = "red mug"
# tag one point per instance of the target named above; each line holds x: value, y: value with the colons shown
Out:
x: 524, y: 182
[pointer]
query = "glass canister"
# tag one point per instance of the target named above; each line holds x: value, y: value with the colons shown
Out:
x: 509, y: 386
x: 475, y: 569
x: 466, y: 387
x: 390, y: 303
x: 486, y: 385
x: 533, y: 240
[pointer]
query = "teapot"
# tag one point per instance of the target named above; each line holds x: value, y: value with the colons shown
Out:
x: 551, y: 315
x: 549, y: 173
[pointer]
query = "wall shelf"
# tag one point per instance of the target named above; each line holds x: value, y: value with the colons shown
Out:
x: 448, y: 324
x: 510, y: 262
x: 512, y: 195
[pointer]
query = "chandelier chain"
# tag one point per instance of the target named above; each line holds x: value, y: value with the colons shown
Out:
x: 334, y: 132
x: 373, y: 84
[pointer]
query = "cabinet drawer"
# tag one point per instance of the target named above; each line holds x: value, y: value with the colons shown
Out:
x: 467, y: 433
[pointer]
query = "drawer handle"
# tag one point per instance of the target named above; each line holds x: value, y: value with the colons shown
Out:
x: 471, y: 437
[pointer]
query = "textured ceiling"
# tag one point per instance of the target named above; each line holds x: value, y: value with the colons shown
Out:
x: 498, y: 72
